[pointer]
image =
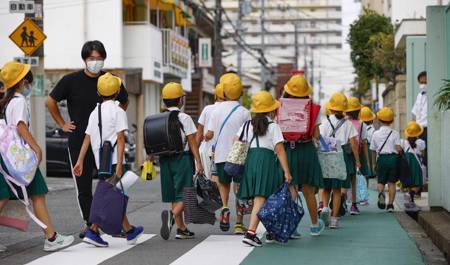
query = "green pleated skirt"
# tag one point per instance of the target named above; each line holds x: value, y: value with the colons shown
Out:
x: 304, y: 164
x: 350, y: 166
x: 36, y: 187
x: 261, y: 175
x: 416, y: 170
x: 176, y: 173
x: 387, y: 168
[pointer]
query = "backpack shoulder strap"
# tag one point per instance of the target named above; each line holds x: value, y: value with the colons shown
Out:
x: 100, y: 122
x: 225, y: 121
x: 385, y: 141
x: 338, y: 125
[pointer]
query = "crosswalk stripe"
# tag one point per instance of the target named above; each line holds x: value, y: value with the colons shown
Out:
x: 87, y: 254
x: 218, y: 250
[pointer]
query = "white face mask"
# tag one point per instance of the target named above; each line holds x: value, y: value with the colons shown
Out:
x: 95, y: 66
x: 423, y: 86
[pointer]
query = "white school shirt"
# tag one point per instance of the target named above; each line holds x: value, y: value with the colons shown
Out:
x: 114, y: 120
x: 236, y: 120
x: 420, y: 108
x: 380, y: 136
x: 272, y: 137
x: 343, y: 134
x: 18, y: 110
x: 188, y: 126
x: 205, y: 116
x: 370, y: 131
x: 420, y: 146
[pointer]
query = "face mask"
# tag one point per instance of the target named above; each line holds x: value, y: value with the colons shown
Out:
x: 27, y: 91
x: 423, y: 86
x: 94, y: 66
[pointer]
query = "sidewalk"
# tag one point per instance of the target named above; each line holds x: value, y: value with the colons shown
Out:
x: 374, y: 237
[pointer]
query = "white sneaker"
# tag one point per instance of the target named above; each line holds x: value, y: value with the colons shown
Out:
x: 2, y: 248
x: 59, y: 243
x: 334, y: 222
x: 325, y: 215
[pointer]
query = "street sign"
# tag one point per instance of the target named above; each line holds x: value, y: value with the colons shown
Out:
x: 204, y: 59
x: 28, y: 36
x: 32, y: 60
x: 23, y: 7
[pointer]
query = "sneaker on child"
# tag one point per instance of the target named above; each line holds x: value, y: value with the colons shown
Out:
x: 134, y: 234
x: 239, y: 229
x: 381, y: 201
x: 317, y: 229
x: 184, y: 234
x: 325, y: 215
x: 95, y: 239
x: 167, y: 224
x: 334, y: 222
x: 58, y: 242
x: 269, y: 238
x: 225, y: 220
x: 252, y: 239
x: 354, y: 209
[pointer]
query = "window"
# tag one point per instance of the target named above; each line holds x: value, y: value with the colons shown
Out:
x: 135, y: 10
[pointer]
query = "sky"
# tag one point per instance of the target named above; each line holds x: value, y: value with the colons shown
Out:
x: 335, y: 64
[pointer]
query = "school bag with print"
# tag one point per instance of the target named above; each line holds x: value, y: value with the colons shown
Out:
x: 296, y: 118
x: 19, y: 164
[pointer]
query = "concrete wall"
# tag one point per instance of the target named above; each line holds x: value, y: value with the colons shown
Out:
x: 438, y: 62
x: 395, y: 98
x: 401, y: 9
x: 416, y: 61
x: 69, y: 25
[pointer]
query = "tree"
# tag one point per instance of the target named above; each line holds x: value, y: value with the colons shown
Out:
x: 388, y: 59
x: 366, y: 26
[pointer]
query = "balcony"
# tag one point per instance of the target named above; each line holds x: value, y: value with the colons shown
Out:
x: 143, y: 49
x: 176, y: 54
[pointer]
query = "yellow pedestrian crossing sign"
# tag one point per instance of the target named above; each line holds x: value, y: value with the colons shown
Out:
x: 28, y: 36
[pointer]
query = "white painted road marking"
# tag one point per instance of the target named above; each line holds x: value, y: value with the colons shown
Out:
x: 218, y: 250
x: 86, y: 254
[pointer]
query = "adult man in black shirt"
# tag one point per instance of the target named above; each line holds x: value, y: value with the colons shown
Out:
x: 80, y: 91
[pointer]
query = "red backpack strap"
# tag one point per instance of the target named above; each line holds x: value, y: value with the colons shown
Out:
x: 315, y: 111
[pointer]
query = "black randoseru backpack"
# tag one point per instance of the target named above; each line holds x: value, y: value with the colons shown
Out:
x: 162, y: 134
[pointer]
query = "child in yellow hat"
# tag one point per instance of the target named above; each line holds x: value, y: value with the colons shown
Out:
x: 259, y: 180
x: 413, y: 147
x: 352, y: 112
x: 17, y: 79
x: 113, y: 121
x: 302, y: 154
x: 385, y: 146
x: 177, y: 170
x: 367, y: 116
x: 342, y: 130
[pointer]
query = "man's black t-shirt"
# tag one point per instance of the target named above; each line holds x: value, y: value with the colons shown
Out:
x: 80, y: 91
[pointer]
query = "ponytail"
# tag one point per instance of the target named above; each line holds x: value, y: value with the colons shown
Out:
x: 9, y: 94
x: 260, y: 124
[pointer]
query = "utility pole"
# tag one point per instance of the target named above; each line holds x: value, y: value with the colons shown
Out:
x: 37, y: 99
x: 217, y: 60
x: 239, y: 31
x: 311, y: 80
x: 296, y: 44
x: 305, y: 55
x: 263, y: 69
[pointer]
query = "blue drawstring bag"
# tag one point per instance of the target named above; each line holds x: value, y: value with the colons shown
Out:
x: 362, y: 194
x: 280, y: 215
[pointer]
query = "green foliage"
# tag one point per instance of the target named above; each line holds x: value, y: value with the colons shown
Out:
x: 361, y: 31
x: 390, y: 60
x: 442, y: 101
x: 246, y: 100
